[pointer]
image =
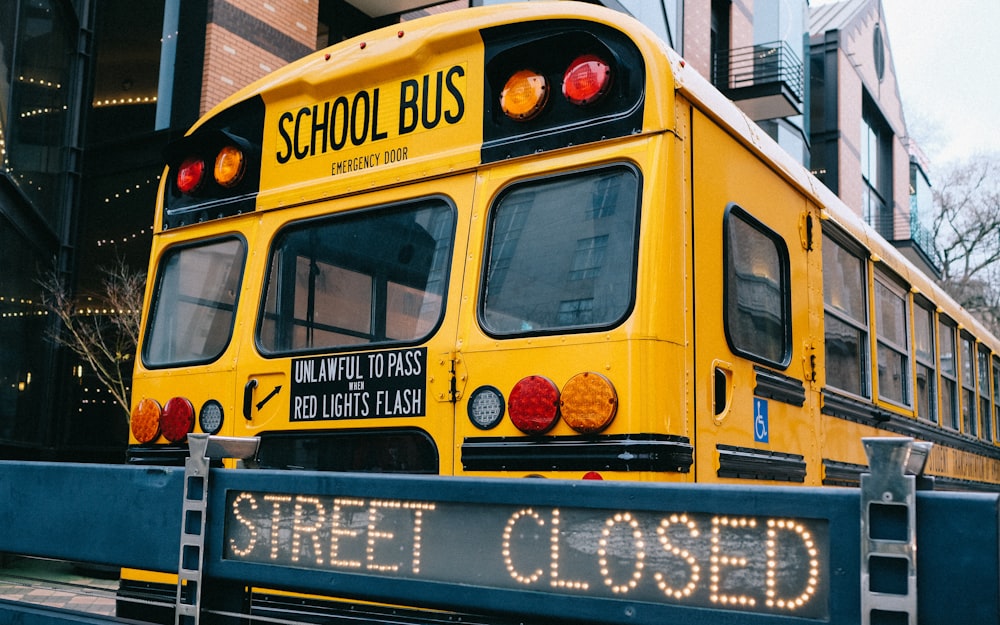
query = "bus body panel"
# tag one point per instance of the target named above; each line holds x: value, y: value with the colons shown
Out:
x: 742, y: 430
x: 644, y: 356
x: 366, y: 386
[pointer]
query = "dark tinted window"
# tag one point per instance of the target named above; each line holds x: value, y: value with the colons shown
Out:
x: 562, y: 253
x: 756, y: 290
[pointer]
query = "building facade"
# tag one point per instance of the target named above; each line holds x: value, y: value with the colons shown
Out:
x: 861, y: 149
x: 91, y: 91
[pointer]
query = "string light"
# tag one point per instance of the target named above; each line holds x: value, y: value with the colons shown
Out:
x: 123, y: 101
x: 125, y: 239
x: 39, y: 82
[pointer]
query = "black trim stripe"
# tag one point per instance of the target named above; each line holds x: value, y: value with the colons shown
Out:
x: 779, y: 387
x: 760, y: 464
x: 639, y: 452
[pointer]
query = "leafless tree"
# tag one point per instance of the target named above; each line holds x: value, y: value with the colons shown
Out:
x: 101, y: 329
x: 966, y: 230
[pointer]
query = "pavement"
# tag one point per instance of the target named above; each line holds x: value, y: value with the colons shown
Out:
x: 58, y: 584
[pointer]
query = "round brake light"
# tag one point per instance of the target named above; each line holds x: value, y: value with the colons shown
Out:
x: 177, y: 419
x: 586, y: 80
x: 190, y: 174
x: 486, y: 407
x: 211, y: 416
x: 588, y: 402
x: 534, y: 405
x: 525, y: 95
x: 229, y: 166
x: 145, y: 420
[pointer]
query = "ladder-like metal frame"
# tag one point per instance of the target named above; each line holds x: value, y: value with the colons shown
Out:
x: 889, y: 529
x: 203, y: 448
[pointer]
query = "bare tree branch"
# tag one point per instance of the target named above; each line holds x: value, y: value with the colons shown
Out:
x: 966, y: 231
x: 103, y: 332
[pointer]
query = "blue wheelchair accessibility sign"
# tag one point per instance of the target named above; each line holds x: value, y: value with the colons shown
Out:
x: 760, y: 426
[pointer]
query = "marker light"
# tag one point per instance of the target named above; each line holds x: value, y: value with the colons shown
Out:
x: 229, y: 166
x: 486, y: 407
x: 177, y: 419
x: 210, y: 417
x: 524, y: 96
x: 190, y: 174
x: 534, y: 404
x: 586, y: 80
x: 588, y: 402
x: 146, y: 420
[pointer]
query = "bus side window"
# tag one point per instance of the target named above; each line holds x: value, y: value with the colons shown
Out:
x: 926, y: 383
x: 846, y: 319
x: 996, y: 393
x: 949, y: 375
x: 893, y: 345
x: 757, y: 290
x: 985, y: 418
x: 969, y: 422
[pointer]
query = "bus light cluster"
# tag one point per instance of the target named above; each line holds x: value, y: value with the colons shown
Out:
x: 587, y: 403
x: 526, y: 93
x: 227, y: 170
x: 174, y: 420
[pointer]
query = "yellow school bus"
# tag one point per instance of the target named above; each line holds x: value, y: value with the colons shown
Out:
x: 531, y: 241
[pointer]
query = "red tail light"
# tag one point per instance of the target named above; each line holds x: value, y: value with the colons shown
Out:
x: 586, y: 80
x: 177, y: 420
x: 190, y: 175
x: 534, y: 405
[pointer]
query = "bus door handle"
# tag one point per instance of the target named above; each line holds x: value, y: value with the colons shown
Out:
x: 248, y: 399
x: 722, y: 390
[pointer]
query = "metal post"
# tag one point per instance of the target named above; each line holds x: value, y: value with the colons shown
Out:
x: 889, y: 530
x: 202, y: 448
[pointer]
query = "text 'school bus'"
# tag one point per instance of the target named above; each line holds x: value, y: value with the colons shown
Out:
x: 530, y: 241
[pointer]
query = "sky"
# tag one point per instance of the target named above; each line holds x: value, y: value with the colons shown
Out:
x: 947, y: 62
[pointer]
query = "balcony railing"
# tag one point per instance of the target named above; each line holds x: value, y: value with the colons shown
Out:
x: 766, y: 80
x: 905, y: 231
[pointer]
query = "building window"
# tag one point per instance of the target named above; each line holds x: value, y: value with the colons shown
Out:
x: 757, y: 290
x: 876, y: 170
x: 893, y: 349
x: 588, y: 257
x: 846, y: 319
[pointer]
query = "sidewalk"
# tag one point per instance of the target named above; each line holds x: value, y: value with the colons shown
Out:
x: 57, y: 584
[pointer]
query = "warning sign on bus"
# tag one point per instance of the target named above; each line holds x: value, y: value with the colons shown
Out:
x: 359, y: 386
